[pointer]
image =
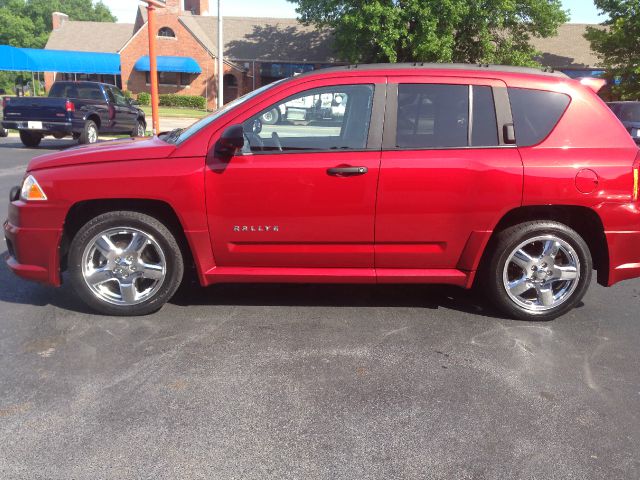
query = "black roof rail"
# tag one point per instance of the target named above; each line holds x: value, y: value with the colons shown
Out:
x: 547, y: 71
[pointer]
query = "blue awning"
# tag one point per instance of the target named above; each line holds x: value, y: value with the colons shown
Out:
x: 62, y: 61
x: 169, y: 64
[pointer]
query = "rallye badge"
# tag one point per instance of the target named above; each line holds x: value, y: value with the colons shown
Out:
x: 256, y: 228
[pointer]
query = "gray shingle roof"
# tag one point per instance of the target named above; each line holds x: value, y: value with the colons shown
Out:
x: 265, y: 39
x: 90, y: 36
x: 287, y: 40
x: 567, y: 49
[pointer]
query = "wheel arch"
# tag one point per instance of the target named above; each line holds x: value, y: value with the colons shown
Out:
x: 583, y: 220
x: 81, y: 212
x: 95, y: 118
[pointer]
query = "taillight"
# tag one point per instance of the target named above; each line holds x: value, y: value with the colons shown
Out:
x: 636, y: 174
x: 70, y: 106
x: 5, y: 101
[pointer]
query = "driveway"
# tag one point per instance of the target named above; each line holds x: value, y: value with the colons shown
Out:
x: 314, y: 382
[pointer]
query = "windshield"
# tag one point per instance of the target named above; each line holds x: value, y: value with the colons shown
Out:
x: 630, y: 112
x: 179, y: 136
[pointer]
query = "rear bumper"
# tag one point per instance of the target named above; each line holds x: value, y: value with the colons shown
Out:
x: 624, y: 256
x: 47, y: 127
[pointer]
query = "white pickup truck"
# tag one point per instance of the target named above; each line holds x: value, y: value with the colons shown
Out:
x: 326, y: 106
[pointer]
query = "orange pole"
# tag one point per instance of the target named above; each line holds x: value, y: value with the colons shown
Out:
x: 153, y: 66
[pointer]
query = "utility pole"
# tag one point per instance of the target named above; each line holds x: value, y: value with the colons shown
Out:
x: 153, y: 64
x: 220, y: 58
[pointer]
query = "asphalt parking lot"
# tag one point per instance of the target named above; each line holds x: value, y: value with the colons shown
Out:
x: 313, y: 382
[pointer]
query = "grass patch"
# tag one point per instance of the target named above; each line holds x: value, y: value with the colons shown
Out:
x: 176, y: 112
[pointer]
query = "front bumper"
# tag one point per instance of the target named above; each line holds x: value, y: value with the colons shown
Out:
x: 33, y: 252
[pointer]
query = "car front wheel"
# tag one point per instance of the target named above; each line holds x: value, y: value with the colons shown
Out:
x: 538, y: 270
x: 125, y: 263
x: 139, y: 130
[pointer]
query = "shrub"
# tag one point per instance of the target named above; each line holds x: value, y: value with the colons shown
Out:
x: 144, y: 98
x: 185, y: 101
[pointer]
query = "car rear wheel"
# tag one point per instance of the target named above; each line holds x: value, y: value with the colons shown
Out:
x: 89, y: 133
x: 125, y: 263
x: 139, y: 130
x: 30, y: 139
x: 4, y: 132
x: 538, y: 270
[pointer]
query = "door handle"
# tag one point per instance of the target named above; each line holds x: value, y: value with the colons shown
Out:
x: 347, y: 171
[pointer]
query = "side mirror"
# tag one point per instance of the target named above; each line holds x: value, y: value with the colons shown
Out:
x: 231, y: 140
x: 133, y: 102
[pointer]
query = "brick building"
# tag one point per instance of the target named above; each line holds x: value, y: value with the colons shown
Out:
x: 257, y: 50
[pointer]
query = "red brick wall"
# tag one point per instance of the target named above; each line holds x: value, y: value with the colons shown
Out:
x: 184, y: 45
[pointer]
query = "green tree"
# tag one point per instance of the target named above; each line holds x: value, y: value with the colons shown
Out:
x: 617, y: 44
x: 474, y: 31
x: 27, y: 23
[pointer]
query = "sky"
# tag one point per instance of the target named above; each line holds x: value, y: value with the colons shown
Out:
x: 581, y: 11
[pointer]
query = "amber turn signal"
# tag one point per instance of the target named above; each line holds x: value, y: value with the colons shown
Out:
x: 31, y: 191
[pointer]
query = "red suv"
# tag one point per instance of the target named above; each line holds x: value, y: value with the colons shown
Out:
x: 517, y: 180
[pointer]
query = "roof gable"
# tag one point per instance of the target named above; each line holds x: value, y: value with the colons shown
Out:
x: 90, y: 36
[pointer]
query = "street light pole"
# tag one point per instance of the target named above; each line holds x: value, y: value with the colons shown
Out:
x: 220, y: 58
x: 153, y: 64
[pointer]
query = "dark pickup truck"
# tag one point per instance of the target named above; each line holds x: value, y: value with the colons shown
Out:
x: 80, y: 109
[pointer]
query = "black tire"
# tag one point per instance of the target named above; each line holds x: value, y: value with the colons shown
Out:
x: 89, y: 134
x: 271, y: 117
x: 4, y: 132
x: 122, y: 220
x: 507, y: 242
x: 30, y: 139
x: 139, y: 130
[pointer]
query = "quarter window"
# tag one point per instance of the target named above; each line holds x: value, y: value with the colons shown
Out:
x: 535, y: 113
x: 324, y: 119
x: 484, y: 128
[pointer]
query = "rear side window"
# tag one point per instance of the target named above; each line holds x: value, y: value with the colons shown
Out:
x: 432, y: 116
x: 437, y: 116
x: 535, y: 113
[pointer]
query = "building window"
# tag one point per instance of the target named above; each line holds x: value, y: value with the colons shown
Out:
x: 186, y: 79
x: 164, y: 78
x: 166, y: 32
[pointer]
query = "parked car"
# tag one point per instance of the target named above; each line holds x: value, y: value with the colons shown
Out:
x: 83, y: 110
x: 629, y: 115
x: 3, y: 131
x: 514, y: 180
x: 328, y: 106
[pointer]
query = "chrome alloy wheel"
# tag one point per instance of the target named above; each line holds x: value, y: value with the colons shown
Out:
x: 92, y: 134
x: 123, y: 266
x: 541, y: 273
x: 140, y: 130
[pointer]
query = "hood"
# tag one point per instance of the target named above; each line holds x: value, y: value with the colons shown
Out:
x: 111, y: 151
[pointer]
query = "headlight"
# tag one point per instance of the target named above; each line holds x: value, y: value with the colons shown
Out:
x: 31, y: 191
